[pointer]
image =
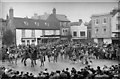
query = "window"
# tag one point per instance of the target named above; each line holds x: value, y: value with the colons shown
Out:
x: 82, y: 33
x: 33, y: 40
x: 74, y: 33
x: 118, y: 18
x: 28, y: 42
x: 61, y: 23
x: 96, y: 30
x: 64, y: 23
x: 33, y: 33
x: 37, y: 23
x: 47, y: 24
x: 96, y: 21
x: 65, y: 30
x: 104, y: 30
x: 117, y: 26
x: 23, y: 33
x: 23, y: 41
x: 105, y: 20
x: 26, y: 23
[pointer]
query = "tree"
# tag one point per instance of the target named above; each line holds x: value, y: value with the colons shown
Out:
x: 8, y: 37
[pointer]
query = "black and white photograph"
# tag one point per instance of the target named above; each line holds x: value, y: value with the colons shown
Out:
x: 59, y: 39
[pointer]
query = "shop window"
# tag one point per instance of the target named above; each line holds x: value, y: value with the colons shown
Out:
x: 82, y: 33
x: 74, y: 33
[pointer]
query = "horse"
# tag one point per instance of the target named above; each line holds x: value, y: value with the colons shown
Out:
x: 32, y: 54
x: 41, y: 56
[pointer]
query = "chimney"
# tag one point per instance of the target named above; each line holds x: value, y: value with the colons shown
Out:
x: 119, y: 6
x: 7, y: 17
x: 11, y: 13
x: 80, y: 21
x: 54, y: 11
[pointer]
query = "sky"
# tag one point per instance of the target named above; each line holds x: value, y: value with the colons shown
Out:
x: 73, y: 9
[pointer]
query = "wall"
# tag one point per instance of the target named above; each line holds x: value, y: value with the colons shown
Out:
x: 113, y: 24
x: 38, y: 34
x: 18, y: 36
x: 101, y: 26
x: 107, y: 41
x: 78, y: 29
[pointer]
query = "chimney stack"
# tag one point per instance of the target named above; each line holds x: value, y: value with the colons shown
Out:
x: 11, y: 13
x: 80, y: 21
x: 54, y: 11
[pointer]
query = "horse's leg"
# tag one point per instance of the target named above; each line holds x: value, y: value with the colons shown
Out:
x: 43, y: 63
x: 22, y: 59
x: 16, y: 61
x: 35, y: 62
x: 32, y: 63
x: 25, y: 61
x: 49, y: 59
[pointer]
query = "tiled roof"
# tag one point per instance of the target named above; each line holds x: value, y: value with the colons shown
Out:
x: 60, y: 17
x: 26, y: 23
x: 75, y: 24
x: 44, y: 17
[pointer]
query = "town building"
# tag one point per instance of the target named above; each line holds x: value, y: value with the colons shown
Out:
x: 3, y: 26
x: 59, y: 20
x: 115, y: 23
x: 106, y: 27
x: 31, y: 31
x: 89, y: 31
x: 101, y: 28
x: 78, y: 31
x: 1, y: 32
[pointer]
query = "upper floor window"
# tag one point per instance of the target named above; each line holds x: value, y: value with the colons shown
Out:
x: 96, y: 30
x: 47, y: 24
x: 64, y: 23
x: 23, y: 33
x: 26, y: 23
x: 104, y: 29
x: 60, y: 23
x: 97, y: 21
x: 63, y: 30
x: 82, y: 33
x: 118, y: 18
x: 105, y: 20
x: 74, y: 33
x: 117, y: 26
x: 37, y: 23
x: 33, y: 33
x: 66, y: 30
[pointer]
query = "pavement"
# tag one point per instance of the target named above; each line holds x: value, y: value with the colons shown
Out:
x: 53, y: 66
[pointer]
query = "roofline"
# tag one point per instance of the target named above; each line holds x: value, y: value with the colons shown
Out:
x: 97, y: 15
x: 38, y: 28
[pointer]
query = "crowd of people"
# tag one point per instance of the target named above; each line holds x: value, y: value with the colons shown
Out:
x: 66, y: 50
x: 112, y: 72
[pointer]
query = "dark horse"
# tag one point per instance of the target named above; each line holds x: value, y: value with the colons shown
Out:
x: 32, y: 54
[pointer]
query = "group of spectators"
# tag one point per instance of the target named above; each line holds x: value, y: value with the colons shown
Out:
x: 71, y: 49
x: 112, y: 72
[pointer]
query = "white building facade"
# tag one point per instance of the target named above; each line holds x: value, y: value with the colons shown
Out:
x: 30, y: 36
x: 115, y: 23
x: 78, y: 30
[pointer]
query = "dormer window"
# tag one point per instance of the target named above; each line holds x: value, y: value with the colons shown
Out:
x: 26, y: 23
x: 47, y: 24
x: 37, y: 23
